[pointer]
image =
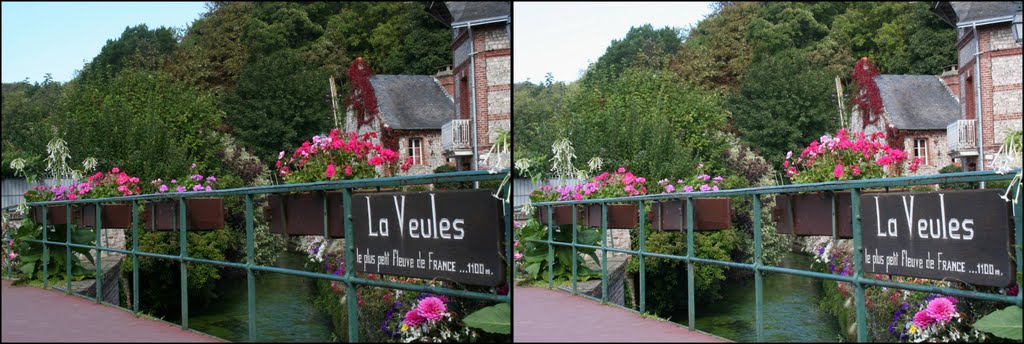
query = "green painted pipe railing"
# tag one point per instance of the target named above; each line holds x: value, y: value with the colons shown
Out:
x: 349, y: 278
x: 857, y: 279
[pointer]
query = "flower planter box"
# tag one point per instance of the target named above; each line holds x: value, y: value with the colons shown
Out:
x: 562, y: 215
x: 303, y: 214
x: 619, y: 215
x: 202, y: 214
x: 114, y: 216
x: 55, y: 214
x: 708, y: 214
x: 811, y: 214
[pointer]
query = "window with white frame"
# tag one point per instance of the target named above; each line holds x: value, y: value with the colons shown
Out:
x: 921, y: 150
x: 416, y: 151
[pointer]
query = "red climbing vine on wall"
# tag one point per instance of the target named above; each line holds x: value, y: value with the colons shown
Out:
x: 361, y: 97
x: 867, y: 97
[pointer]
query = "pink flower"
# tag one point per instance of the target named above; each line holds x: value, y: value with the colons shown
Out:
x: 513, y: 245
x: 413, y: 318
x: 922, y: 319
x: 115, y: 170
x: 789, y: 155
x: 134, y: 180
x: 856, y: 170
x: 784, y: 163
x: 688, y: 189
x: 163, y: 188
x: 12, y: 255
x: 280, y: 155
x: 182, y: 189
x: 519, y: 255
x: 348, y: 170
x: 330, y: 171
x: 376, y: 160
x: 208, y: 188
x: 838, y: 172
x: 622, y: 170
x: 704, y: 187
x: 714, y: 188
x: 432, y: 308
x: 72, y: 196
x: 197, y: 187
x: 670, y: 188
x: 941, y: 309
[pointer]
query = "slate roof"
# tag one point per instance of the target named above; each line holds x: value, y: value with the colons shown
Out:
x: 465, y: 11
x: 917, y: 102
x: 967, y: 12
x: 412, y: 101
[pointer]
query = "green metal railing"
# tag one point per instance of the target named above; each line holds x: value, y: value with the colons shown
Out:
x: 349, y: 277
x: 858, y: 279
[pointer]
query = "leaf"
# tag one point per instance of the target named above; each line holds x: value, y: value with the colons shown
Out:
x: 28, y: 269
x: 493, y: 319
x: 1004, y: 323
x: 533, y: 269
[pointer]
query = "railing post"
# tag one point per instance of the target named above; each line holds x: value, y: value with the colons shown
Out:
x: 604, y: 252
x: 184, y: 270
x: 350, y: 258
x: 67, y: 239
x: 135, y: 256
x: 46, y: 255
x: 758, y: 283
x: 551, y: 252
x: 691, y: 307
x: 1017, y: 217
x: 858, y: 268
x: 574, y: 229
x: 509, y: 230
x: 249, y: 260
x: 643, y: 272
x: 833, y: 195
x: 99, y: 253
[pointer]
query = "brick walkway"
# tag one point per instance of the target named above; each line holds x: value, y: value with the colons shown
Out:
x: 37, y: 315
x: 542, y: 315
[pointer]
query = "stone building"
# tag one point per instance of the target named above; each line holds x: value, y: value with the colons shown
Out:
x: 482, y: 77
x: 919, y: 107
x: 414, y: 107
x: 988, y: 77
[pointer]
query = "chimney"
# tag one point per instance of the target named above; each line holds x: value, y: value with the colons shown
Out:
x: 952, y: 81
x: 444, y: 77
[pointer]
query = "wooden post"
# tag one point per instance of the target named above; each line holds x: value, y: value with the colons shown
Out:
x: 334, y: 101
x: 839, y: 101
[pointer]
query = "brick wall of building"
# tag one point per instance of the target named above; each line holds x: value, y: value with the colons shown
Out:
x: 492, y: 72
x: 1001, y: 80
x: 432, y: 152
x: 938, y: 157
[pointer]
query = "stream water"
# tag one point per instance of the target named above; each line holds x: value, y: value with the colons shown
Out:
x: 791, y: 312
x: 283, y: 312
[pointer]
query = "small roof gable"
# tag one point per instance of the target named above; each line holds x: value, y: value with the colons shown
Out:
x: 463, y: 12
x: 412, y: 101
x: 917, y: 102
x: 970, y: 11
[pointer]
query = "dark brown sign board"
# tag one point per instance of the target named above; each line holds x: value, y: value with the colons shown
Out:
x: 948, y: 235
x: 445, y: 235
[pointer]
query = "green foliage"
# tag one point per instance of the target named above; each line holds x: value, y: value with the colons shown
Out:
x: 160, y: 279
x: 138, y: 47
x: 278, y: 102
x: 494, y: 319
x: 143, y: 122
x: 667, y: 278
x: 643, y: 47
x: 28, y: 114
x: 671, y: 124
x: 783, y: 103
x: 955, y: 186
x: 450, y: 185
x: 535, y: 254
x: 1004, y: 323
x: 30, y: 259
x: 212, y: 54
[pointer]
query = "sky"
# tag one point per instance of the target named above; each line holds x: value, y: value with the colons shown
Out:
x: 60, y: 37
x: 565, y: 37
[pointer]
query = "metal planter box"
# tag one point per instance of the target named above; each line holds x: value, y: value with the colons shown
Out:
x: 114, y: 216
x: 619, y: 215
x: 708, y: 214
x: 303, y: 213
x: 203, y: 214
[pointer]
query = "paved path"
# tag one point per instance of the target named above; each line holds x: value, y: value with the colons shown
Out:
x: 543, y: 315
x: 38, y: 315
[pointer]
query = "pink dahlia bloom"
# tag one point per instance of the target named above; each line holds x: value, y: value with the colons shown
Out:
x: 922, y: 319
x: 413, y: 318
x: 432, y: 308
x: 941, y: 309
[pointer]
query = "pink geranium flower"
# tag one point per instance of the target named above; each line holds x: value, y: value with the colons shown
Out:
x: 432, y: 308
x: 413, y: 318
x: 941, y: 309
x: 838, y: 172
x: 330, y: 171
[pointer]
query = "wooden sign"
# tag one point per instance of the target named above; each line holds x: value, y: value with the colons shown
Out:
x: 444, y: 235
x: 949, y: 235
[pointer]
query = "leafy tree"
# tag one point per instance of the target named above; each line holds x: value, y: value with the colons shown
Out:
x: 144, y: 122
x: 28, y: 113
x: 138, y: 47
x: 540, y: 112
x: 782, y: 103
x: 643, y: 47
x: 212, y: 53
x: 279, y: 101
x: 649, y: 121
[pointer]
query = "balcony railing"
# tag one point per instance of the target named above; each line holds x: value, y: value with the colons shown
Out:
x: 456, y: 136
x: 961, y: 137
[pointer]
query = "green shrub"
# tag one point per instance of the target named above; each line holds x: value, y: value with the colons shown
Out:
x: 955, y: 186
